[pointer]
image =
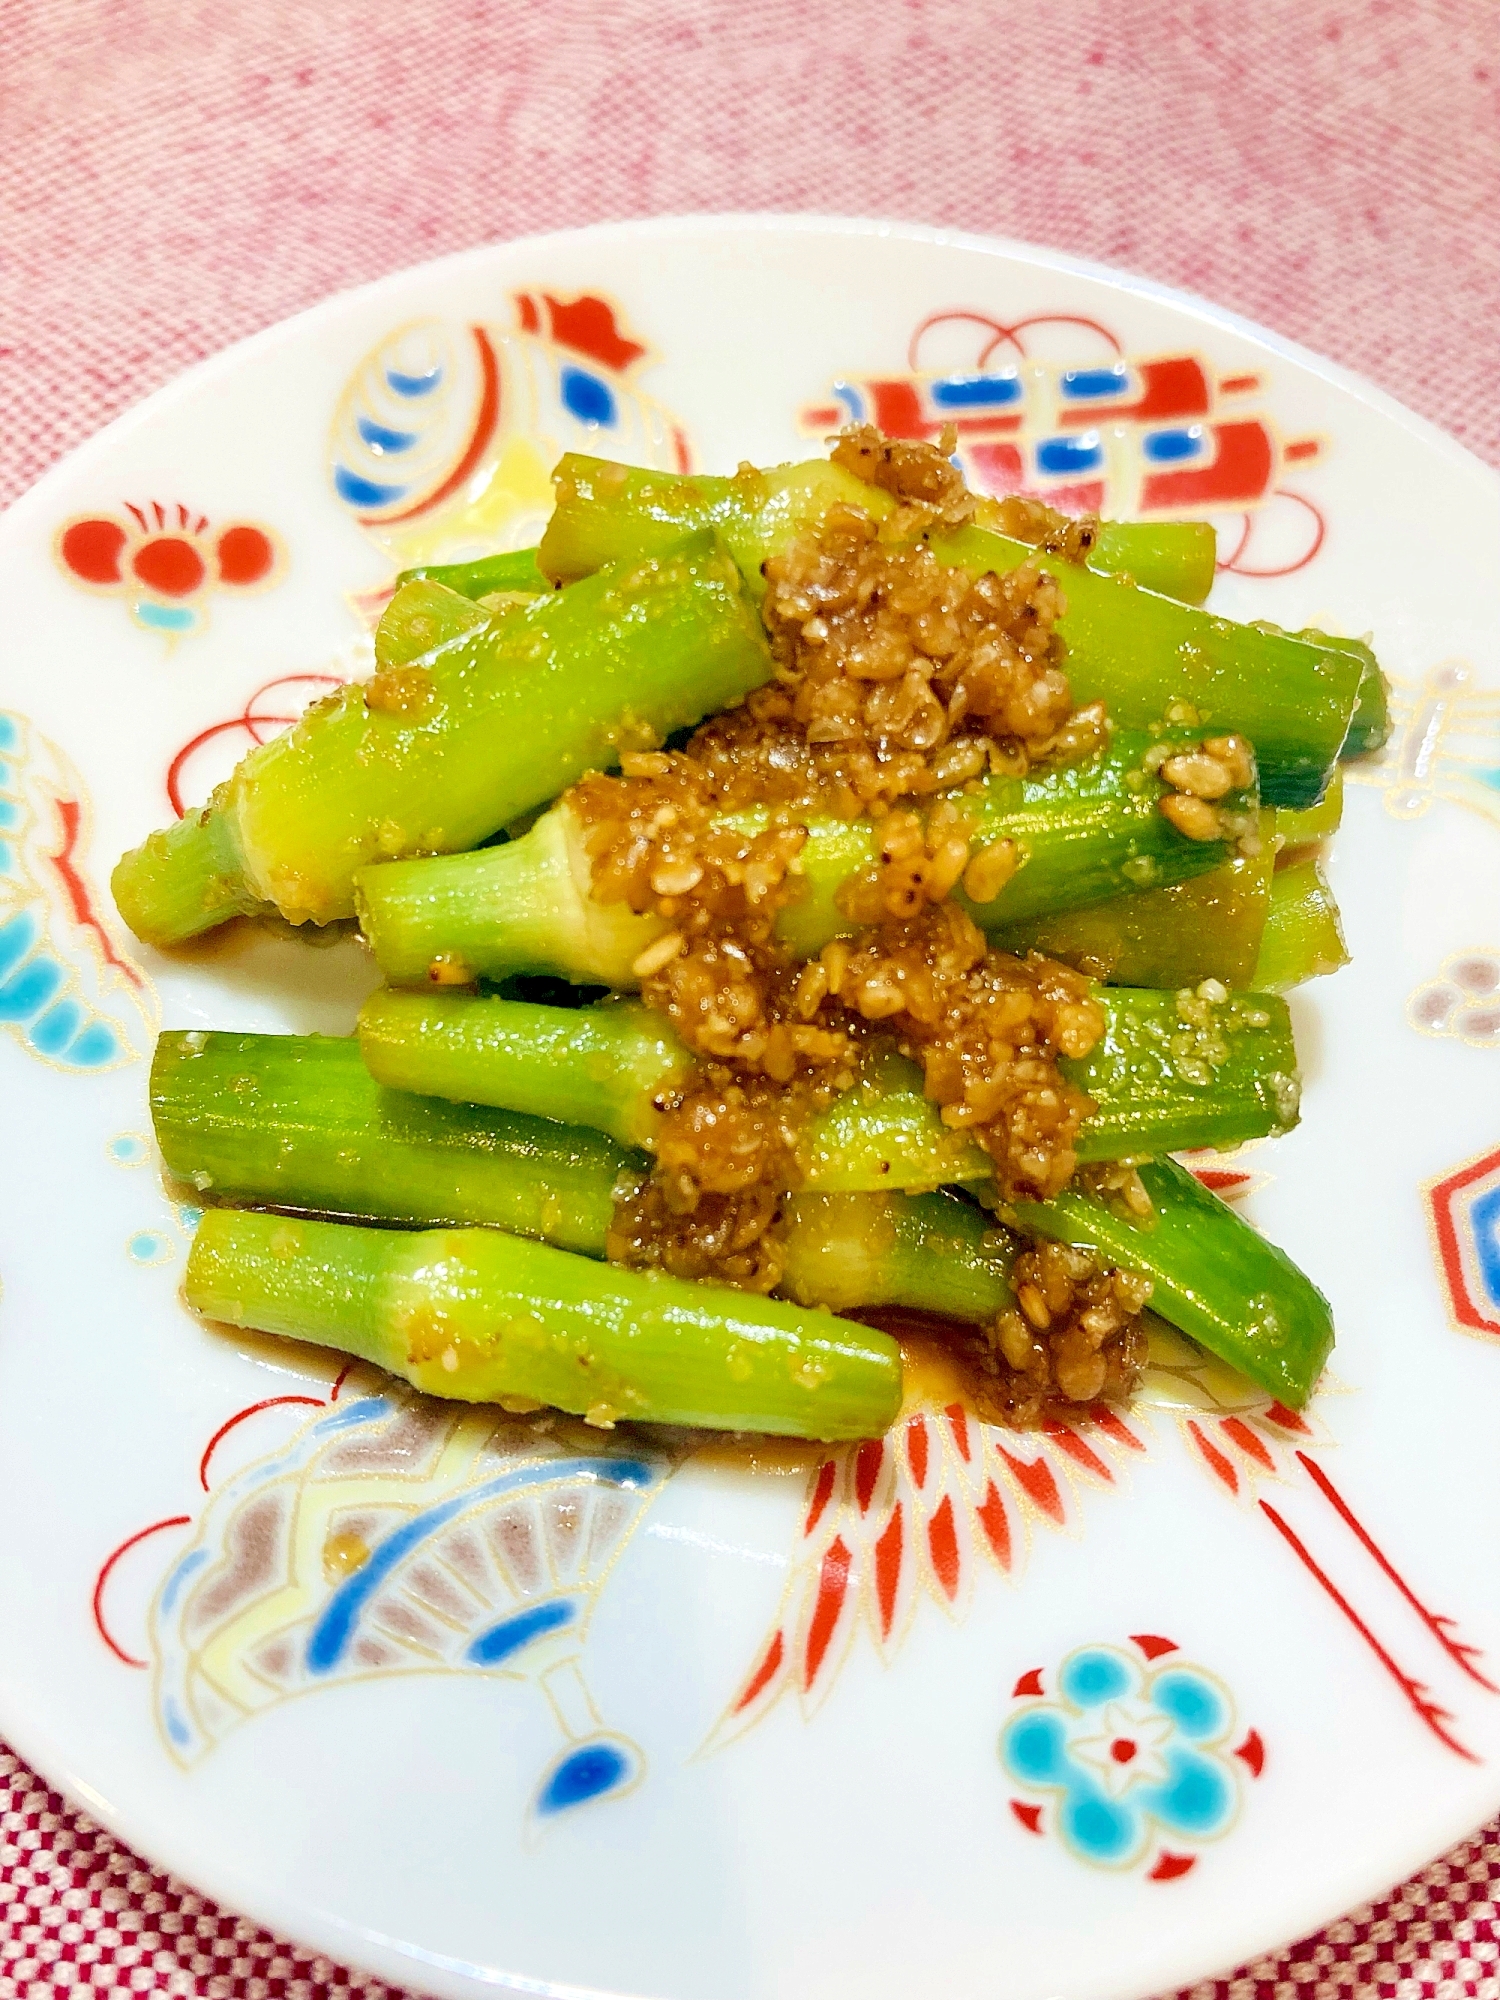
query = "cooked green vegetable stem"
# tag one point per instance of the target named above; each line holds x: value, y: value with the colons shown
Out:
x: 295, y: 1122
x: 1139, y: 651
x: 485, y: 576
x: 445, y: 746
x: 1304, y: 935
x: 606, y: 511
x: 1214, y: 1277
x: 1170, y: 1072
x: 1082, y: 833
x: 486, y: 1317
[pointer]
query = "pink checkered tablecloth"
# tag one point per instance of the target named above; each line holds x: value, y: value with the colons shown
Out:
x: 176, y: 173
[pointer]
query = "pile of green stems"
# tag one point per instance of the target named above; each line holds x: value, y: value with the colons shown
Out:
x: 501, y: 1132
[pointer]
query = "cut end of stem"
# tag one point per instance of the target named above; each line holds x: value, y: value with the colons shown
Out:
x: 183, y: 880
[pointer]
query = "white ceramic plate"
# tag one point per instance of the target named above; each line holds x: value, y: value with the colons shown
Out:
x: 966, y: 1713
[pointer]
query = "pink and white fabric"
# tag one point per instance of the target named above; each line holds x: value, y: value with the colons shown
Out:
x: 175, y: 174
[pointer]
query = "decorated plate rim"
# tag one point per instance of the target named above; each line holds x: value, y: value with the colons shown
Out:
x: 1302, y: 1911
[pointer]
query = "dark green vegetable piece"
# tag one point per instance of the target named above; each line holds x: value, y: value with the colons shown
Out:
x: 929, y: 1252
x: 1171, y: 1071
x: 1213, y: 1276
x: 1300, y: 829
x: 1181, y: 935
x: 1139, y: 651
x: 1170, y: 1065
x: 604, y: 1066
x: 1147, y: 657
x: 298, y: 1122
x: 294, y: 1121
x: 1370, y: 725
x: 515, y: 569
x: 1178, y: 558
x: 425, y: 617
x: 1304, y: 937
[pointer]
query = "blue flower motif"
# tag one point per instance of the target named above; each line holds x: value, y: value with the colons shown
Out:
x: 1127, y: 1752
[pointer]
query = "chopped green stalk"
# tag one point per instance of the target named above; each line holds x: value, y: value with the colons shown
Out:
x: 1300, y: 829
x: 931, y: 1252
x: 602, y: 1066
x: 1177, y: 558
x: 484, y: 1317
x: 1083, y: 832
x: 521, y: 907
x: 1138, y: 650
x: 1143, y: 654
x: 606, y: 512
x: 1175, y: 1071
x: 440, y: 754
x: 1171, y: 1071
x: 183, y: 880
x: 1208, y: 928
x: 513, y: 569
x: 1370, y: 725
x: 297, y: 1121
x: 1212, y: 1275
x: 1304, y: 937
x: 1370, y: 728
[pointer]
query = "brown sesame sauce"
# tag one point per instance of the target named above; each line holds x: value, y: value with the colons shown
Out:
x: 400, y: 690
x: 897, y: 679
x: 1090, y: 1350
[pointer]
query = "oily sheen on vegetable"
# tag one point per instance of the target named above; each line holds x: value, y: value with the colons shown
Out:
x: 803, y: 894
